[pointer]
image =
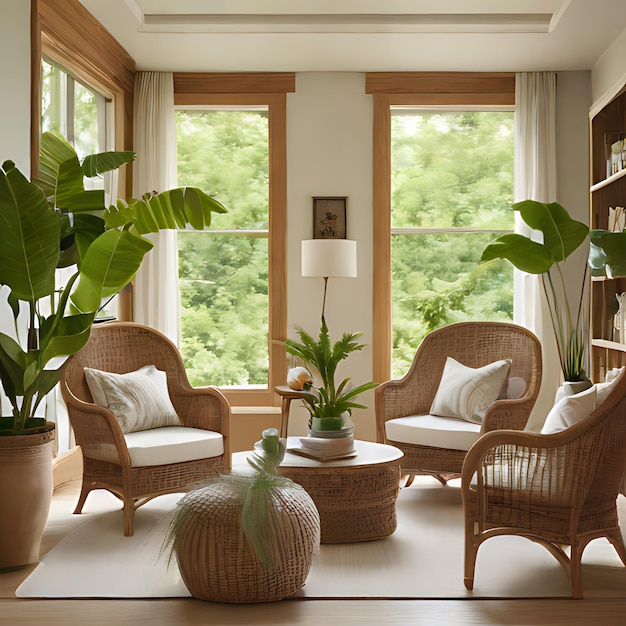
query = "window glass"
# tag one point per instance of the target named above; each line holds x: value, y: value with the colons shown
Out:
x: 77, y: 112
x: 452, y: 189
x: 223, y: 271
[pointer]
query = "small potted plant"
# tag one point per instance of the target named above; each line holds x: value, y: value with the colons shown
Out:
x: 48, y: 223
x: 330, y: 403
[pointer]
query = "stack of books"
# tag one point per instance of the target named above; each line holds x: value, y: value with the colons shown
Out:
x: 325, y: 448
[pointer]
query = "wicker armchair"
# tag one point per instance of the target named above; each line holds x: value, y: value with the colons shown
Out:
x: 108, y: 453
x: 474, y: 344
x: 559, y: 490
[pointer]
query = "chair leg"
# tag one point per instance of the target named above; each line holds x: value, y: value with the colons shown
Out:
x: 576, y: 581
x: 617, y: 540
x: 129, y: 517
x: 471, y: 550
x: 84, y: 492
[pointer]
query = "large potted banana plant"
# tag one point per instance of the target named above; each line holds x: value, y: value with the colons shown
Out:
x: 48, y: 223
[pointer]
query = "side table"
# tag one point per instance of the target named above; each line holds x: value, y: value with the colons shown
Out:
x: 287, y: 394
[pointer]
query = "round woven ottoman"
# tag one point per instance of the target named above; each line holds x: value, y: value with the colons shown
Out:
x: 215, y: 559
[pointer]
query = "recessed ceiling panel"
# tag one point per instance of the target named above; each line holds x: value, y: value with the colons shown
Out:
x: 358, y: 16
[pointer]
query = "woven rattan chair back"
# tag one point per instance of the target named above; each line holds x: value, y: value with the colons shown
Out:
x: 474, y: 344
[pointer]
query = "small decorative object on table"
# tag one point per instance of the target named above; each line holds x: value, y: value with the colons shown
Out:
x: 246, y: 537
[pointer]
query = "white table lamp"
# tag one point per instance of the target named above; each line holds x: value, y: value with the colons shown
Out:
x: 323, y: 258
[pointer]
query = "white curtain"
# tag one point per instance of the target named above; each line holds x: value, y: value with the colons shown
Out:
x: 535, y: 179
x: 156, y: 301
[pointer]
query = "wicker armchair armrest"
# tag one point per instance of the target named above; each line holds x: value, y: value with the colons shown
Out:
x: 508, y: 414
x: 95, y: 425
x: 546, y: 468
x: 202, y: 407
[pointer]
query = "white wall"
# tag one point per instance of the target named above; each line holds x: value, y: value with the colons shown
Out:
x: 329, y: 153
x: 14, y: 106
x: 15, y: 81
x: 609, y: 73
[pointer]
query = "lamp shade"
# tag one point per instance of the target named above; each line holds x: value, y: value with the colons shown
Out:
x: 329, y: 258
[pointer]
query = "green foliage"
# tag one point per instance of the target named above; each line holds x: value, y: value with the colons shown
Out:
x: 449, y: 171
x: 50, y: 220
x: 330, y: 399
x: 224, y: 275
x: 561, y: 236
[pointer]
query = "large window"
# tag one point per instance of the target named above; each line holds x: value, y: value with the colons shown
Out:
x: 452, y: 189
x: 443, y: 186
x: 224, y: 271
x: 231, y: 133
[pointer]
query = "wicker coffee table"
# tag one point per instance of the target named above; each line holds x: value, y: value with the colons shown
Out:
x: 356, y: 497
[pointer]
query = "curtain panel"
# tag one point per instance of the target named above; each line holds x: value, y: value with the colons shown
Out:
x: 155, y: 294
x: 535, y: 179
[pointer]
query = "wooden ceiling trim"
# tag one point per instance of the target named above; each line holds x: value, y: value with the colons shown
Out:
x: 226, y: 82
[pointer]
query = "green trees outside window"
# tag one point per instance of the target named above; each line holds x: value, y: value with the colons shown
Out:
x: 452, y: 186
x: 224, y: 273
x: 452, y: 189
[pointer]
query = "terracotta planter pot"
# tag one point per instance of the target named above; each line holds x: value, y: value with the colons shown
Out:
x: 25, y: 495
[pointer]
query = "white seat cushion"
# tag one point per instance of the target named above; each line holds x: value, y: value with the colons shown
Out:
x: 432, y: 430
x: 162, y: 446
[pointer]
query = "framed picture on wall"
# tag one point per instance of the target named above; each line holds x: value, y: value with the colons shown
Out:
x: 329, y: 218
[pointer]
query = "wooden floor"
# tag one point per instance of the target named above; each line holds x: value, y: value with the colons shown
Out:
x: 314, y: 612
x: 361, y: 612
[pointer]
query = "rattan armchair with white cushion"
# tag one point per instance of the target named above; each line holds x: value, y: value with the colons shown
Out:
x: 149, y: 432
x: 436, y: 444
x: 558, y: 489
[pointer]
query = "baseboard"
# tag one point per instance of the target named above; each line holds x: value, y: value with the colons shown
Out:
x: 67, y: 467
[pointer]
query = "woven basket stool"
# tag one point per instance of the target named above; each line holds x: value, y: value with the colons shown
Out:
x: 217, y: 563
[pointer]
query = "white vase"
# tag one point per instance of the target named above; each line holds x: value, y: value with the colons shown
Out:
x: 619, y: 321
x: 569, y: 388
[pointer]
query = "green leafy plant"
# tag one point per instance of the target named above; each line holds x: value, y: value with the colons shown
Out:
x: 53, y: 222
x: 330, y: 399
x: 561, y: 236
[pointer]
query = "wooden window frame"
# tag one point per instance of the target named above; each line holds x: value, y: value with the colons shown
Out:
x: 411, y: 88
x: 257, y: 89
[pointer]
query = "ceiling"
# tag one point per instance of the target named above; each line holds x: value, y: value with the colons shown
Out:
x: 362, y: 35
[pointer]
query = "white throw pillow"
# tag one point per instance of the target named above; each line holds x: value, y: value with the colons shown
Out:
x: 466, y: 392
x: 569, y: 411
x: 139, y: 400
x: 611, y: 378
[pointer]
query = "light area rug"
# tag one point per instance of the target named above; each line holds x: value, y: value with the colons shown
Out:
x: 422, y: 559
